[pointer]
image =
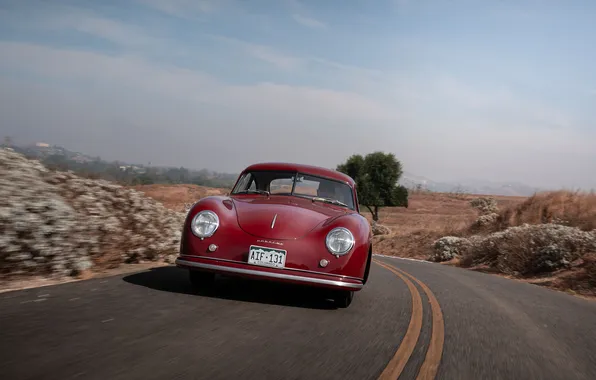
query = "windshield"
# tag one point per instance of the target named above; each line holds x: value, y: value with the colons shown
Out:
x: 298, y: 184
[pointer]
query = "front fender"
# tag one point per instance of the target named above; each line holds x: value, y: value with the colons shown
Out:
x: 357, y: 260
x: 221, y: 205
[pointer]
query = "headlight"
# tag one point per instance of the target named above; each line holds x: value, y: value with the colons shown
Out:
x: 204, y: 224
x: 339, y: 241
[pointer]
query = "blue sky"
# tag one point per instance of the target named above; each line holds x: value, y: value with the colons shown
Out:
x: 500, y: 90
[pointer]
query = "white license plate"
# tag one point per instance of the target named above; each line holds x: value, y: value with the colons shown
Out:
x: 268, y: 257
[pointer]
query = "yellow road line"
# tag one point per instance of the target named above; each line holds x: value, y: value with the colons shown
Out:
x: 402, y: 355
x: 430, y: 366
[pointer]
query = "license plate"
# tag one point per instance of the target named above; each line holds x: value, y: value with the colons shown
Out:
x: 268, y: 257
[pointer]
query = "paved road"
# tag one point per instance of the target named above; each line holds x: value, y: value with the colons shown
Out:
x: 150, y: 325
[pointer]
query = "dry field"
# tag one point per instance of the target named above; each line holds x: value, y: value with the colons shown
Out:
x: 175, y: 197
x: 428, y: 217
x: 431, y: 216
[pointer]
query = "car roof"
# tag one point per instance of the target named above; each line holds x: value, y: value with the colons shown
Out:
x: 306, y: 169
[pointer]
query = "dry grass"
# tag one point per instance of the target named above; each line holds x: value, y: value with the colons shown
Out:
x: 576, y: 209
x: 581, y: 278
x: 434, y: 215
x: 428, y: 217
x: 175, y: 197
x: 517, y: 253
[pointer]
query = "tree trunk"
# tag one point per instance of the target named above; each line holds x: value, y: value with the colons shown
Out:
x: 374, y: 213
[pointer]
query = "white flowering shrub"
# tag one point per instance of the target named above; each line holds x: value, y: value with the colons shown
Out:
x: 487, y: 219
x: 531, y: 249
x: 449, y: 247
x: 489, y: 214
x: 379, y: 229
x: 486, y: 223
x: 486, y: 205
x: 56, y: 223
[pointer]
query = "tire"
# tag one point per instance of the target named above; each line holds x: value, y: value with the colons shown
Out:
x: 344, y: 298
x: 201, y: 280
x: 368, y: 263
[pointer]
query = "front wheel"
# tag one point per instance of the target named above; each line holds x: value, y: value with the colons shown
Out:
x: 201, y: 280
x: 344, y: 298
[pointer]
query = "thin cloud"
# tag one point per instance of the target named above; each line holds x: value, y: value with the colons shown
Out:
x: 114, y: 31
x: 263, y: 53
x: 309, y: 22
x: 319, y: 109
x: 283, y: 60
x: 271, y: 56
x: 159, y: 104
x: 182, y: 8
x: 69, y: 65
x: 83, y: 21
x: 190, y: 104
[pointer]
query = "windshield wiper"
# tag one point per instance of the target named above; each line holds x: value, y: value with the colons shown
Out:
x: 329, y: 200
x: 265, y: 192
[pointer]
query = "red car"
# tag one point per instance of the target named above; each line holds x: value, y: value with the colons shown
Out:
x: 281, y: 222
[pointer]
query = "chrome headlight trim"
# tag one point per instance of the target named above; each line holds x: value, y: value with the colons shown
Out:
x: 214, y: 222
x: 348, y: 237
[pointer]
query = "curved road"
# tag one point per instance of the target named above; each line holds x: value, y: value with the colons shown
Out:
x: 414, y: 320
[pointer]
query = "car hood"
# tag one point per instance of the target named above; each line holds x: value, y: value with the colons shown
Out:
x: 294, y: 216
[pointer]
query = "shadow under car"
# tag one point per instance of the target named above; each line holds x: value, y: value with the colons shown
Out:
x: 176, y: 280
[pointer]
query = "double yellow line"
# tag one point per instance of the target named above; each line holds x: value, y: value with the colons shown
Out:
x: 429, y: 367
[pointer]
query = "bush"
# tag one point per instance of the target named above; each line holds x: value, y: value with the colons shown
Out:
x: 379, y: 229
x: 60, y: 224
x: 449, y: 247
x: 485, y: 221
x: 486, y: 205
x: 531, y: 249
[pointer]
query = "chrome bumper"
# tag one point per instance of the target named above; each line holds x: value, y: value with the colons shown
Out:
x: 271, y: 275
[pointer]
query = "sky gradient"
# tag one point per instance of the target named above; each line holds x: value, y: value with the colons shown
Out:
x: 499, y: 90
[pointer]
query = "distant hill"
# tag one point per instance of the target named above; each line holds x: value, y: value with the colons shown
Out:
x: 42, y: 151
x: 470, y: 186
x: 57, y: 157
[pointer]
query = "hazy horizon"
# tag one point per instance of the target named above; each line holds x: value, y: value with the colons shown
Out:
x: 500, y: 91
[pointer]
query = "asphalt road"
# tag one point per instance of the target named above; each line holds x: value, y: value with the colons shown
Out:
x: 150, y: 325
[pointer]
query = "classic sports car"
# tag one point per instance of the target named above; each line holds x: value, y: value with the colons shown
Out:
x: 282, y: 222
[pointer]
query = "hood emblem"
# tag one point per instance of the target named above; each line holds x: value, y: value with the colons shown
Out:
x: 270, y: 242
x: 273, y: 221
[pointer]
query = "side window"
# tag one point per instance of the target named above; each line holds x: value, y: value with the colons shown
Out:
x: 281, y: 186
x: 244, y: 182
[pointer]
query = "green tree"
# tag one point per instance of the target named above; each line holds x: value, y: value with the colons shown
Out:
x: 145, y: 179
x: 376, y: 176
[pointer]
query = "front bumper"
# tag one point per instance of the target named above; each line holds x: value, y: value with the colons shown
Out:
x: 282, y: 275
